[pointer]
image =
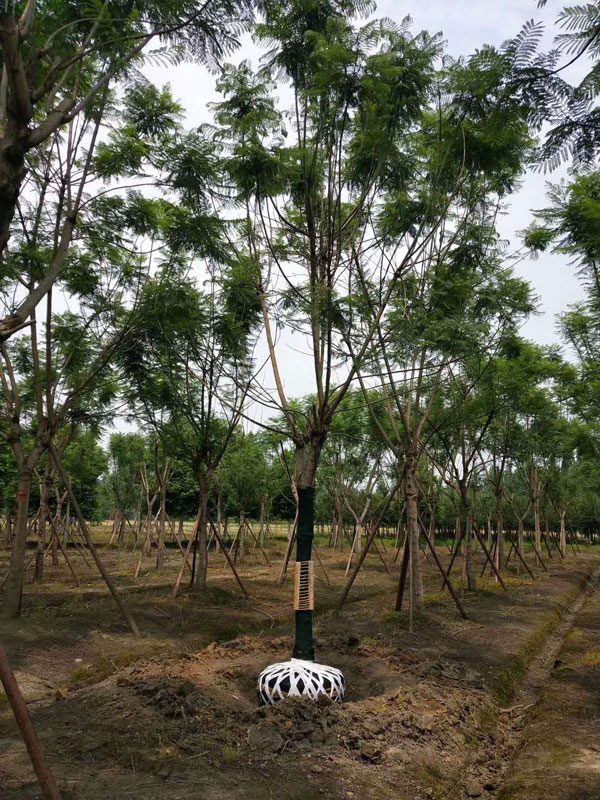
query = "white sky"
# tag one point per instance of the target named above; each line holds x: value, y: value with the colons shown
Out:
x: 466, y: 26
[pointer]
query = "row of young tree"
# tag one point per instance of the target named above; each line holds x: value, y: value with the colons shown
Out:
x: 146, y: 266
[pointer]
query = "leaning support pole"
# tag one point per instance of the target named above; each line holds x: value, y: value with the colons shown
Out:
x: 23, y: 720
x: 229, y: 561
x: 451, y: 589
x: 454, y: 552
x: 488, y: 556
x: 90, y: 543
x: 516, y: 549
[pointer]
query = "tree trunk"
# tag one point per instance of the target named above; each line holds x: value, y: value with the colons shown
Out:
x: 500, y: 556
x: 160, y: 552
x: 241, y: 540
x: 411, y: 493
x: 469, y: 565
x: 261, y: 530
x: 563, y: 533
x: 122, y: 523
x: 204, y: 479
x: 304, y: 644
x: 457, y: 537
x: 11, y: 607
x: 220, y: 514
x: 56, y: 531
x: 38, y: 570
x: 520, y: 541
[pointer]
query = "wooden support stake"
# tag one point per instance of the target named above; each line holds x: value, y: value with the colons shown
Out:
x: 229, y: 561
x: 461, y: 610
x: 488, y: 557
x: 90, y: 543
x: 23, y: 720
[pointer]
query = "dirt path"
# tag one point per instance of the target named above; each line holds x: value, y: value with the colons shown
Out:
x: 499, y: 772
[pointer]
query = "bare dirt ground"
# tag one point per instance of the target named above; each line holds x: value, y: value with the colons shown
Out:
x: 174, y: 714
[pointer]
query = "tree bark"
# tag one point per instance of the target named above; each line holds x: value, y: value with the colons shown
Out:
x: 411, y: 493
x: 204, y: 480
x: 160, y: 552
x: 500, y: 554
x: 11, y: 607
x: 469, y: 565
x: 38, y: 571
x: 563, y: 533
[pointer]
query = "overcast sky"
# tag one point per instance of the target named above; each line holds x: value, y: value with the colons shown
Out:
x: 466, y: 25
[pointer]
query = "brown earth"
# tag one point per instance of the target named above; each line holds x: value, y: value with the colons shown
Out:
x: 174, y: 714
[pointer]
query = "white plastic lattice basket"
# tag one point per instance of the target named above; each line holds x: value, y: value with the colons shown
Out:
x: 299, y: 678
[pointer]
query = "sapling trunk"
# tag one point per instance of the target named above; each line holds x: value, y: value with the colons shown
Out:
x: 563, y: 533
x: 202, y: 563
x: 411, y: 491
x: 38, y: 571
x: 500, y: 555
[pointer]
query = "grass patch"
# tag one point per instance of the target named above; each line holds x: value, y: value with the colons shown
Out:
x: 509, y: 680
x: 591, y: 657
x: 231, y: 755
x: 103, y: 668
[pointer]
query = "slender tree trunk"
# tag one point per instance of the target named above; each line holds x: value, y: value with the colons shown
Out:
x: 160, y: 552
x: 457, y: 528
x: 204, y: 480
x: 38, y: 570
x: 520, y: 541
x: 261, y: 530
x: 241, y: 543
x: 56, y: 531
x: 500, y: 556
x: 122, y: 523
x: 469, y: 565
x: 220, y: 514
x: 411, y: 493
x: 563, y: 533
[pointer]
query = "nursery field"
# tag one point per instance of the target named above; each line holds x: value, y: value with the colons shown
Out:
x: 501, y: 705
x: 299, y: 400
